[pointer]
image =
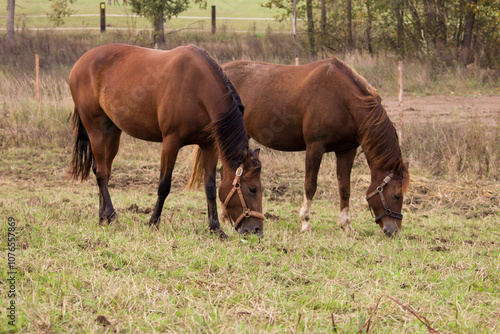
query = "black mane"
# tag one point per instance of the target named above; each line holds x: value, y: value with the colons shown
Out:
x: 228, y: 130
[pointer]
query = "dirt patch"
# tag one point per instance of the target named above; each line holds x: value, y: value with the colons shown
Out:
x: 449, y: 109
x: 134, y: 208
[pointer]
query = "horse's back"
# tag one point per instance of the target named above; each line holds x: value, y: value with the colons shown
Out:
x: 142, y: 90
x: 289, y: 107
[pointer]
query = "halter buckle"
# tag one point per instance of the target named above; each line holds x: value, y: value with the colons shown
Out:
x: 239, y: 171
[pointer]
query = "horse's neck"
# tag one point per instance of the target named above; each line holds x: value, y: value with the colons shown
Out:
x: 378, y: 140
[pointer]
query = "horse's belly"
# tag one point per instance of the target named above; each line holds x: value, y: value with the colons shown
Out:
x: 145, y: 127
x: 144, y: 133
x: 281, y: 139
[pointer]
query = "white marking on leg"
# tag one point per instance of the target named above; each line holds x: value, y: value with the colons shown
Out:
x: 345, y: 220
x: 305, y: 215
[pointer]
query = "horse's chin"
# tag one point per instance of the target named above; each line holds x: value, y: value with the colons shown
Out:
x: 252, y: 226
x: 390, y: 226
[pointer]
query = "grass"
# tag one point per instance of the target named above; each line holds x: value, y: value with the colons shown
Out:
x: 75, y: 276
x: 180, y: 279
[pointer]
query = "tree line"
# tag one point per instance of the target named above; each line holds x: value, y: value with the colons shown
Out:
x: 468, y: 30
x: 465, y: 30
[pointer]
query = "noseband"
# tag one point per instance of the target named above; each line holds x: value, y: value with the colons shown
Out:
x: 380, y: 191
x: 247, y: 213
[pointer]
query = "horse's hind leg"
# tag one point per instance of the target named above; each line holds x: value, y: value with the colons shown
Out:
x: 169, y: 150
x: 105, y: 140
x: 344, y: 166
x: 314, y: 154
x: 210, y: 157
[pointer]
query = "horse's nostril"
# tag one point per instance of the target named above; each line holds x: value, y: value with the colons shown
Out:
x: 390, y: 233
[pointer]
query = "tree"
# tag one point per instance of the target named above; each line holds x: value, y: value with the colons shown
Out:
x: 310, y: 26
x: 159, y: 11
x: 398, y: 13
x: 323, y: 17
x: 59, y: 11
x: 350, y: 40
x: 369, y: 26
x: 469, y: 25
x: 11, y: 5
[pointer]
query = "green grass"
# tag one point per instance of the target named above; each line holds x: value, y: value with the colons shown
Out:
x: 239, y: 9
x: 444, y: 265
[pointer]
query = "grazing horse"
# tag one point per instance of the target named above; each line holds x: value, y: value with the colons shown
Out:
x: 177, y: 97
x: 322, y: 107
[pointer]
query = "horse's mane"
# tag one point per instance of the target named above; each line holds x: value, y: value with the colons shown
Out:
x: 363, y: 85
x: 228, y: 129
x: 378, y: 136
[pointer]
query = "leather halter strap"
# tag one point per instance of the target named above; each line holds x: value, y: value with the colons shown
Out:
x: 380, y: 191
x: 247, y: 213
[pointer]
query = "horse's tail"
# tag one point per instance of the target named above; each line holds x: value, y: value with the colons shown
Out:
x: 82, y: 151
x: 196, y: 178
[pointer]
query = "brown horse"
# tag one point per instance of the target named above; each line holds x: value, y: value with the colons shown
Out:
x: 322, y: 107
x: 177, y: 97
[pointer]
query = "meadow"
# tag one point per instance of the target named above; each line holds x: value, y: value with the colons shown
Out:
x: 74, y: 276
x: 231, y: 16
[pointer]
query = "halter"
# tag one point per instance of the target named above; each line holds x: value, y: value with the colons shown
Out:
x: 246, y: 211
x: 380, y: 191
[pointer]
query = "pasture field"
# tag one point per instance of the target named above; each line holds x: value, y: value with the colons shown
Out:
x: 74, y: 276
x: 231, y: 16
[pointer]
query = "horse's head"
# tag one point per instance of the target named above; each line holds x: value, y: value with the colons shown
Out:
x: 385, y: 197
x: 241, y: 194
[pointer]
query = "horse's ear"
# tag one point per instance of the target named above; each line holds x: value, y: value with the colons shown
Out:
x: 256, y: 153
x: 406, y: 177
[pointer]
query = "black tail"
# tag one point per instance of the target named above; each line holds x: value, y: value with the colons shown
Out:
x: 82, y: 151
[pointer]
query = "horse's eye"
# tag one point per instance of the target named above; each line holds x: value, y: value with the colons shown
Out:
x: 253, y: 190
x: 396, y: 197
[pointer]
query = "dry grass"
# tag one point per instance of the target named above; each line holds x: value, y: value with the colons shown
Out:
x: 75, y: 276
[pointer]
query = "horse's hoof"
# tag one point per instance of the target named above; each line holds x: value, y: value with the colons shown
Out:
x: 154, y: 226
x: 220, y: 233
x: 307, y: 228
x: 348, y: 229
x: 105, y: 221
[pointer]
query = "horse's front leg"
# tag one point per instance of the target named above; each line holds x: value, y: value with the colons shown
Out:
x: 170, y: 149
x: 314, y: 154
x: 209, y: 156
x: 344, y: 165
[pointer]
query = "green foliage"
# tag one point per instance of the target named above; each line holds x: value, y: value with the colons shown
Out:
x: 60, y: 10
x: 157, y: 11
x: 430, y: 27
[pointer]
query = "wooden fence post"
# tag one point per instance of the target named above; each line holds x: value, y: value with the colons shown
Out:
x: 400, y: 76
x: 37, y: 75
x: 103, y: 17
x: 213, y: 20
x: 295, y: 31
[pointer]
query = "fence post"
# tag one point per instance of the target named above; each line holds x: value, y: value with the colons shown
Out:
x: 103, y: 17
x: 37, y: 80
x: 295, y: 31
x: 213, y: 20
x: 400, y: 76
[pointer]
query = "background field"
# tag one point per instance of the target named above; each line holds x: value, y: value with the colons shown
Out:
x: 33, y: 14
x: 75, y: 276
